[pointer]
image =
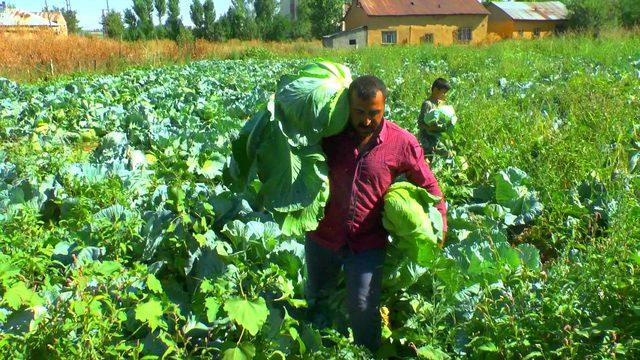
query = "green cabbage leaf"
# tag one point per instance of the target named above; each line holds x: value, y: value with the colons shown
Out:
x: 412, y: 220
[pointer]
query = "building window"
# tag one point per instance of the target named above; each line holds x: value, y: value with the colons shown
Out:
x: 427, y: 39
x: 352, y: 42
x: 536, y: 32
x: 464, y: 35
x: 389, y: 37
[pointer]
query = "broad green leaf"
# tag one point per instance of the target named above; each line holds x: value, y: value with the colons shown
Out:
x: 508, y: 255
x: 154, y: 284
x: 297, y: 223
x: 292, y: 178
x: 488, y: 347
x: 243, y: 352
x: 213, y: 167
x: 530, y: 256
x: 19, y: 294
x: 7, y: 270
x: 213, y: 305
x: 431, y: 353
x: 244, y: 148
x: 251, y: 315
x: 107, y: 268
x: 150, y: 313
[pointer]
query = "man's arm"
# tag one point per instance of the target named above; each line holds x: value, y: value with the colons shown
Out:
x: 419, y: 173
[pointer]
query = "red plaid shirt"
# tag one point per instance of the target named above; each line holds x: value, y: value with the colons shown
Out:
x: 358, y: 183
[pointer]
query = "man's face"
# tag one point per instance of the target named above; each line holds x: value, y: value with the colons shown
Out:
x: 365, y: 116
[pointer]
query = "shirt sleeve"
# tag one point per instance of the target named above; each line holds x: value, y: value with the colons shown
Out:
x: 419, y: 173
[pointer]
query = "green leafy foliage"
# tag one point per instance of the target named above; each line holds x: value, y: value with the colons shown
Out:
x: 121, y: 235
x: 150, y: 313
x: 251, y: 315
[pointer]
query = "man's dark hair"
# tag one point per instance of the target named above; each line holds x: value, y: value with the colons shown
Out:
x: 441, y: 84
x: 366, y: 87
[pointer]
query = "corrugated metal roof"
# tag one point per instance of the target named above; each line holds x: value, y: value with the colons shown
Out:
x: 345, y: 32
x: 547, y: 10
x: 422, y: 7
x: 13, y: 17
x: 54, y: 16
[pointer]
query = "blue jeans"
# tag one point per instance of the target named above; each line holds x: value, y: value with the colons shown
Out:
x: 363, y: 275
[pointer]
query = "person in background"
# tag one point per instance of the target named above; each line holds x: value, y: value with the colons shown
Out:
x: 428, y: 133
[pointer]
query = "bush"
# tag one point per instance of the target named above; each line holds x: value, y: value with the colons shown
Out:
x: 593, y: 14
x: 598, y: 14
x: 630, y: 12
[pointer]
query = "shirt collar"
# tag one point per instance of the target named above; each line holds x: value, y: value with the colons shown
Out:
x: 382, y: 136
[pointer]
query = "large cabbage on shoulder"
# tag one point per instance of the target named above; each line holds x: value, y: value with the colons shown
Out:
x: 281, y: 144
x: 313, y: 103
x: 412, y: 220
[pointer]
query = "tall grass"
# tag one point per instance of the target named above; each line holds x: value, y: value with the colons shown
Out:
x: 32, y: 58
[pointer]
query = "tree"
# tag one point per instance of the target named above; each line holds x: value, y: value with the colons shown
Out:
x: 592, y: 14
x: 223, y: 26
x: 265, y: 11
x: 71, y: 18
x: 241, y: 21
x: 301, y: 27
x: 143, y: 10
x: 280, y: 29
x: 630, y: 12
x: 174, y: 23
x: 133, y: 31
x: 161, y: 9
x: 197, y: 16
x: 325, y: 16
x: 210, y: 28
x: 112, y: 25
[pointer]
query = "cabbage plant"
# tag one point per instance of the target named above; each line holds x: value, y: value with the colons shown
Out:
x: 443, y: 117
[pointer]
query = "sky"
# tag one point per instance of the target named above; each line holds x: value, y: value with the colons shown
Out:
x: 89, y: 11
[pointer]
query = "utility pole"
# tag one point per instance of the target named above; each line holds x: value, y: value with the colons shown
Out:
x: 104, y: 16
x: 46, y: 9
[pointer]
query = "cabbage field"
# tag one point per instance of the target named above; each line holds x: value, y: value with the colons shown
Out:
x: 125, y: 231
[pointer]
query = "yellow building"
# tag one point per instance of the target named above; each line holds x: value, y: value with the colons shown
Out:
x: 440, y: 22
x: 526, y: 20
x: 20, y: 22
